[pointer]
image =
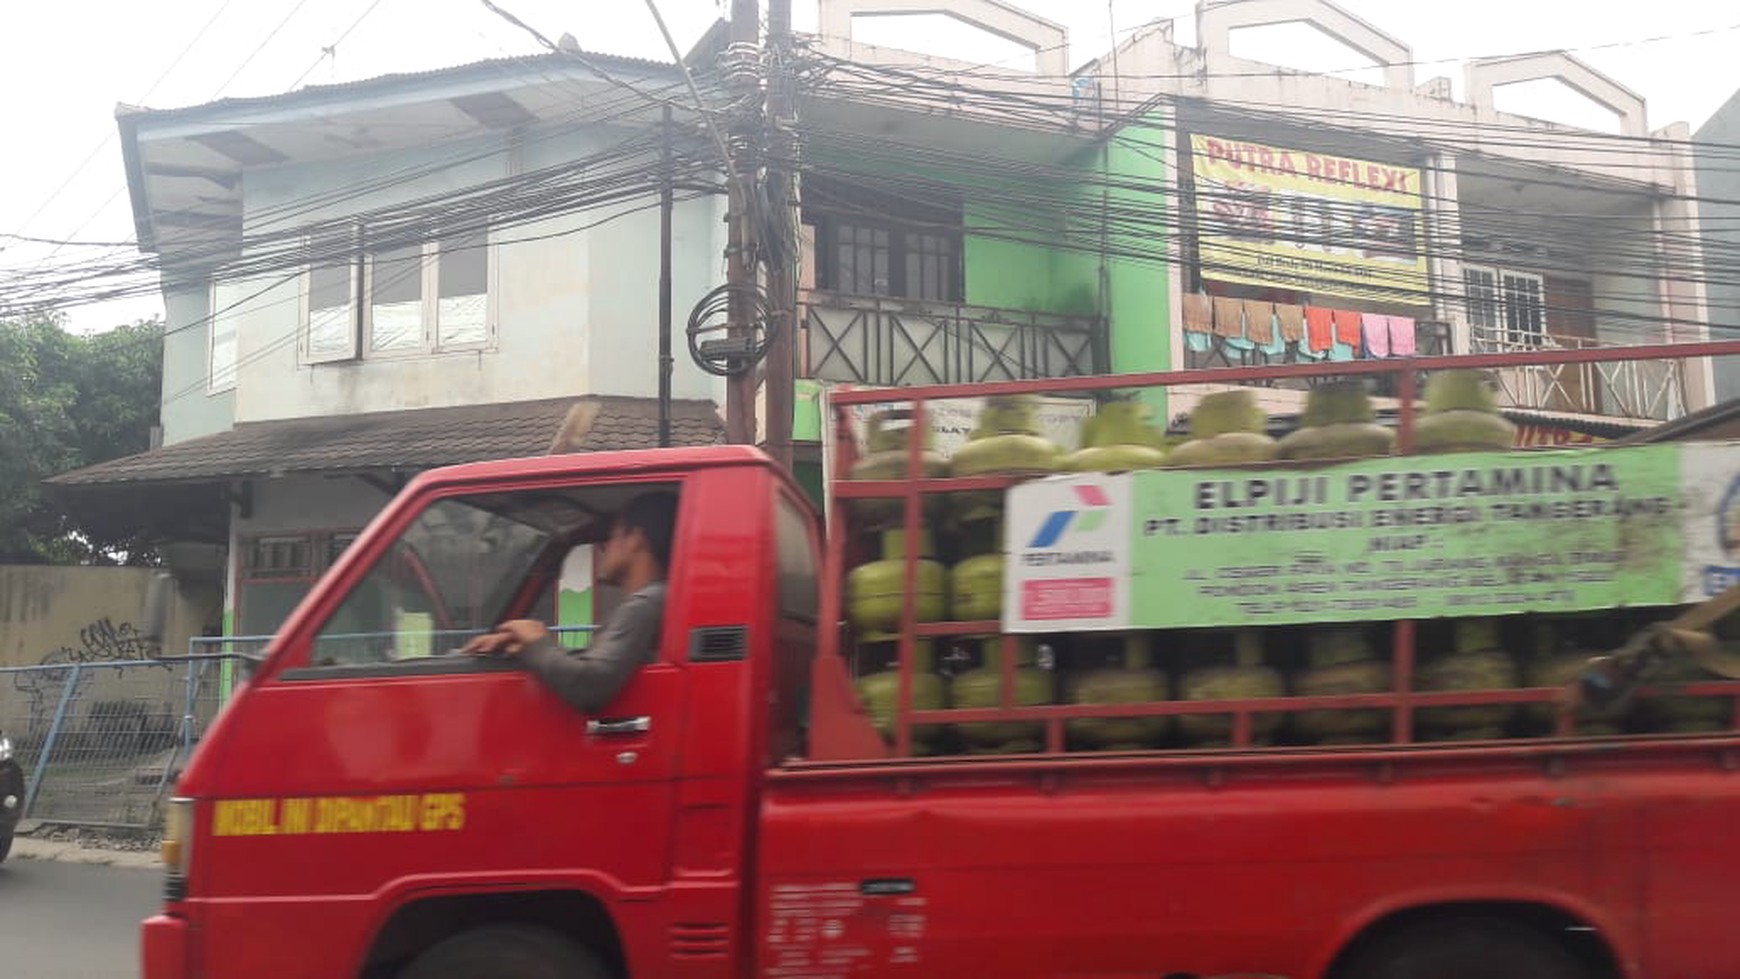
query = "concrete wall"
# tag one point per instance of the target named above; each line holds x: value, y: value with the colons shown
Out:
x: 1719, y: 187
x: 298, y: 503
x: 574, y: 305
x: 66, y: 614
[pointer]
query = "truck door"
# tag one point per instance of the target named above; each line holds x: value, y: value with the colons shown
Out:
x: 372, y: 765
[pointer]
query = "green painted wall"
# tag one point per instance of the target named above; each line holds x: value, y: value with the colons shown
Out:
x: 1131, y: 290
x: 1023, y: 274
x: 1139, y: 301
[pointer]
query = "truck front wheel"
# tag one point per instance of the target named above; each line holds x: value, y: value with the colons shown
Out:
x: 1456, y: 948
x: 506, y: 952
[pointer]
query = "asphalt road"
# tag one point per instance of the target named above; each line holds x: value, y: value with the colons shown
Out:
x: 73, y: 921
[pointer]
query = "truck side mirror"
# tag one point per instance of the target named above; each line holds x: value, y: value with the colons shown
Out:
x: 154, y: 617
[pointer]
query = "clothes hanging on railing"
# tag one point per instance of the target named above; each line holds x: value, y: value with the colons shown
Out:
x: 1229, y: 318
x: 1376, y: 327
x: 1319, y: 329
x: 1402, y: 336
x: 1290, y: 318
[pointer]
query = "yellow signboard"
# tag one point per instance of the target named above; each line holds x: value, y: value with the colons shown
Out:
x: 1311, y: 222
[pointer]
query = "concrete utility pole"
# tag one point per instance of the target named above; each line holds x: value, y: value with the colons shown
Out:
x: 740, y: 248
x: 782, y: 276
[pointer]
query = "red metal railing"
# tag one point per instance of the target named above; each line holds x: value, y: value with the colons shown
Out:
x: 1401, y: 700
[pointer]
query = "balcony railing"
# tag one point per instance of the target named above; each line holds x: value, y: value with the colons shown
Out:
x: 1628, y: 389
x: 882, y: 341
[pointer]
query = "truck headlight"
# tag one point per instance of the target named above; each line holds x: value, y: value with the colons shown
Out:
x: 177, y: 837
x: 5, y: 748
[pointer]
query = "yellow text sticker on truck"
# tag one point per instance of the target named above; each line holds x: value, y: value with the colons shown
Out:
x: 432, y: 812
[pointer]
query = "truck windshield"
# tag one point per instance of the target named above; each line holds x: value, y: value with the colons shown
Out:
x: 448, y: 577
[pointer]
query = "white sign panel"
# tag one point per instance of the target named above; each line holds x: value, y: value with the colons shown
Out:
x: 952, y: 421
x: 1067, y: 541
x: 1710, y: 486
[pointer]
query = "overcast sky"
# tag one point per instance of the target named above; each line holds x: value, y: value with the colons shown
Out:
x: 65, y: 64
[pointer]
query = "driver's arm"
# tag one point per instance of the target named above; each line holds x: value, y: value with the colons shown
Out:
x: 589, y: 679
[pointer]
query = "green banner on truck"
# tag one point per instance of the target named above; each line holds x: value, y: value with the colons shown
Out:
x: 1410, y: 537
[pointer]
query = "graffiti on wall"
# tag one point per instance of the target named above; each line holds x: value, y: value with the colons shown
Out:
x: 101, y: 641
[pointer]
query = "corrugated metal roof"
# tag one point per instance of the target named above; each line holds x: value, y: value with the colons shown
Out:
x: 402, y: 440
x: 536, y: 64
x: 1692, y: 427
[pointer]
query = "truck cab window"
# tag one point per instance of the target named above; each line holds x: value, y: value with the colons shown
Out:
x: 446, y: 579
x: 465, y: 564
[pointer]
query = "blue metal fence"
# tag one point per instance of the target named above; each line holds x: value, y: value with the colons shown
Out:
x: 102, y: 743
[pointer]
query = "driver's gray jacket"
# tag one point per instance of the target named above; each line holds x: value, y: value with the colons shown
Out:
x: 590, y: 678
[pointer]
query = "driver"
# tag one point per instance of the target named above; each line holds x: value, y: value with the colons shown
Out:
x: 635, y: 558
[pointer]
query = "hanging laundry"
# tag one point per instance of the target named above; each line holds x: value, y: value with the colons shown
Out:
x: 1290, y: 318
x: 1260, y: 321
x: 1229, y: 320
x: 1319, y: 328
x: 1377, y: 334
x: 1348, y: 327
x: 1402, y: 336
x: 1198, y: 312
x: 1198, y: 342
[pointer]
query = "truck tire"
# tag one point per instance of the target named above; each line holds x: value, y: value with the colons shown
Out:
x: 506, y: 952
x: 5, y: 845
x: 1456, y: 948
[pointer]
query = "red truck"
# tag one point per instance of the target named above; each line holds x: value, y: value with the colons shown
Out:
x: 366, y: 806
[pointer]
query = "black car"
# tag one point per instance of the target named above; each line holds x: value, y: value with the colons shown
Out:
x: 11, y: 794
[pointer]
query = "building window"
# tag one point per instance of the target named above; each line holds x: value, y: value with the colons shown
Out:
x: 420, y: 298
x: 395, y: 291
x: 276, y: 571
x: 874, y: 244
x: 884, y: 260
x: 332, y: 291
x: 1505, y: 307
x: 462, y: 291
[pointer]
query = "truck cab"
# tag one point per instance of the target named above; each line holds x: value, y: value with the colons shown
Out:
x: 427, y: 794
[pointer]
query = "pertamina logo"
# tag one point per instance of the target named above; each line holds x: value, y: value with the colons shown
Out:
x: 1089, y: 517
x: 1058, y: 585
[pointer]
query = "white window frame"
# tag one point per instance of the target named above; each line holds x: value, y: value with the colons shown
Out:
x: 1498, y: 330
x: 215, y: 315
x: 352, y: 348
x: 362, y: 310
x: 431, y: 299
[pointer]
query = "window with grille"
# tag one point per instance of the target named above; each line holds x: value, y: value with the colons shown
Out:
x: 1504, y: 306
x: 870, y: 243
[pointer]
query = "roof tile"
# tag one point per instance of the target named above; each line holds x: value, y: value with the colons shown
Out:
x: 403, y: 440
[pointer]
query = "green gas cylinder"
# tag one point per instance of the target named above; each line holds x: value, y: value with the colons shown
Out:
x: 983, y: 687
x: 1227, y: 428
x: 1342, y: 662
x: 1461, y: 416
x: 1118, y: 438
x: 1006, y: 442
x: 1238, y: 673
x: 1339, y: 423
x: 976, y: 588
x: 1135, y: 681
x: 880, y: 687
x: 873, y: 589
x: 887, y: 456
x: 1478, y: 662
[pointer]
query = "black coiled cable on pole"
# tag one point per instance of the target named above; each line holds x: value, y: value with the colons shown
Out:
x: 712, y: 345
